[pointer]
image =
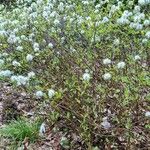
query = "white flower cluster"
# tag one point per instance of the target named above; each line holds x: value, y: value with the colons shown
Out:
x: 19, y: 48
x: 50, y: 45
x: 107, y: 76
x: 19, y: 80
x: 137, y: 57
x: 106, y: 125
x: 5, y: 73
x: 116, y: 42
x: 1, y: 62
x: 106, y: 61
x: 29, y: 57
x: 86, y: 76
x: 121, y: 65
x: 39, y: 94
x: 31, y: 75
x: 51, y: 93
x: 36, y: 47
x: 144, y: 2
x: 42, y: 129
x: 16, y: 63
x: 147, y: 34
x: 147, y: 114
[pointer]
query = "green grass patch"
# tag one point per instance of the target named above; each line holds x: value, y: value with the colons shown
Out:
x: 20, y: 129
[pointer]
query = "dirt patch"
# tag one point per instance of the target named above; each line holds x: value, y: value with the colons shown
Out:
x: 13, y: 103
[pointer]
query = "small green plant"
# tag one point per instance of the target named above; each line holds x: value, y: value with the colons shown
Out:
x: 20, y: 129
x: 147, y: 126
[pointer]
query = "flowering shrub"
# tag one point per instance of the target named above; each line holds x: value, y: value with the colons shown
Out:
x: 88, y: 60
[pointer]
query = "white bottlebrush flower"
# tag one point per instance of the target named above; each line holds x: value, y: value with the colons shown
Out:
x: 18, y: 40
x: 45, y: 14
x: 33, y: 15
x: 123, y: 21
x: 31, y: 74
x: 126, y: 14
x: 137, y: 57
x: 51, y: 93
x: 86, y: 76
x: 37, y: 54
x: 121, y: 65
x: 61, y: 7
x: 132, y: 25
x: 144, y: 40
x: 88, y: 18
x: 56, y: 22
x: 141, y: 2
x: 105, y: 19
x: 116, y: 42
x: 5, y: 54
x: 53, y: 14
x: 85, y: 2
x: 13, y: 78
x: 142, y: 16
x: 32, y: 35
x: 139, y: 26
x: 39, y: 94
x: 36, y: 47
x: 107, y: 76
x: 146, y: 22
x: 23, y: 37
x: 1, y: 62
x: 3, y: 32
x: 96, y: 11
x: 113, y: 9
x: 119, y: 3
x: 19, y: 48
x: 62, y: 40
x: 106, y: 125
x: 29, y: 57
x: 6, y: 73
x: 50, y: 45
x: 97, y: 23
x: 39, y: 2
x: 22, y: 80
x: 106, y: 61
x: 147, y: 114
x: 137, y: 9
x: 144, y: 2
x: 147, y: 34
x: 42, y: 129
x: 137, y: 18
x: 16, y: 63
x: 11, y: 39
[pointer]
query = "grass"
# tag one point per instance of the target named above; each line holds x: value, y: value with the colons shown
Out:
x: 20, y: 129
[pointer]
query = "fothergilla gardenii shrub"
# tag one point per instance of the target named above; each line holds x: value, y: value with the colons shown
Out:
x: 86, y: 63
